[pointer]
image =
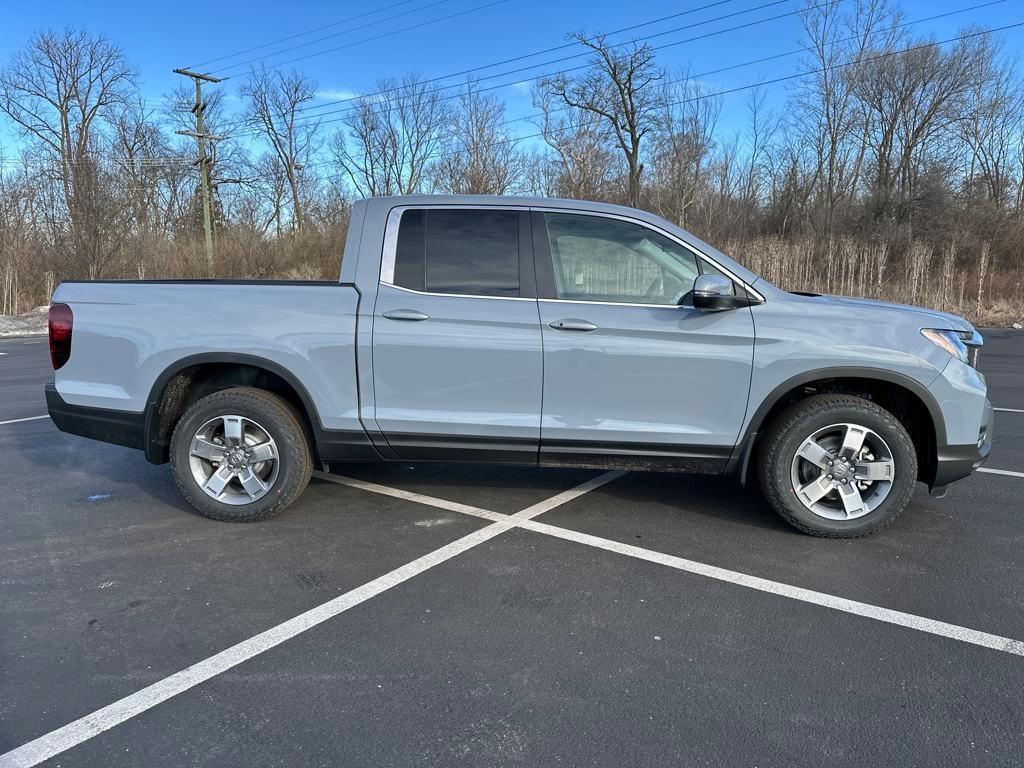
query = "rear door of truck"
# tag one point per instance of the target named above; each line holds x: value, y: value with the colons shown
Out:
x: 457, y: 356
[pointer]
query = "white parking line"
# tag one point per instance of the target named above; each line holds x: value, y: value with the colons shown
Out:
x: 866, y: 610
x: 68, y: 736
x: 27, y: 418
x: 909, y: 620
x: 433, y: 501
x: 72, y: 734
x: 1009, y: 410
x: 1007, y: 472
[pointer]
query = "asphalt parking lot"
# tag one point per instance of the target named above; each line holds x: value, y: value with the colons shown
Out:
x: 488, y: 616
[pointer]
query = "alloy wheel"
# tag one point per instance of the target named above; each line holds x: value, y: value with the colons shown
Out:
x: 234, y: 460
x: 843, y: 471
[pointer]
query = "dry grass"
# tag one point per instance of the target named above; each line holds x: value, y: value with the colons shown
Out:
x: 945, y: 280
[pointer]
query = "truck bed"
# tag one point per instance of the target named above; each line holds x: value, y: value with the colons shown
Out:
x: 130, y: 334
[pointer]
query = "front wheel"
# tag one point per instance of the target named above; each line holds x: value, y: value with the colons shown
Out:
x: 241, y: 455
x: 838, y: 466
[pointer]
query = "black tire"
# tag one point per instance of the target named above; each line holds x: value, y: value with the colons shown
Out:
x: 787, y: 433
x: 278, y: 419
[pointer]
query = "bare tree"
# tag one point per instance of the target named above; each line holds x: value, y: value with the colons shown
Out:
x: 59, y: 90
x: 992, y: 126
x: 913, y: 98
x: 392, y: 137
x: 618, y: 88
x: 831, y: 118
x: 683, y: 146
x: 580, y: 140
x: 274, y: 108
x: 482, y: 158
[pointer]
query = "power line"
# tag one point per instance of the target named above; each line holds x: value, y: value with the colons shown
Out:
x: 332, y: 36
x: 349, y: 110
x: 522, y: 56
x: 299, y: 34
x: 795, y: 51
x: 749, y: 86
x: 644, y: 38
x: 388, y: 34
x: 201, y: 137
x: 713, y: 71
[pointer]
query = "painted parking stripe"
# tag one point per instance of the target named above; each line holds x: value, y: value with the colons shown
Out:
x: 27, y: 418
x: 1007, y: 472
x: 453, y: 506
x: 909, y: 620
x: 398, y: 493
x: 85, y: 728
x: 1009, y: 410
x: 866, y: 610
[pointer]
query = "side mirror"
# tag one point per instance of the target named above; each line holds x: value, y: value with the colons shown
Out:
x: 714, y: 293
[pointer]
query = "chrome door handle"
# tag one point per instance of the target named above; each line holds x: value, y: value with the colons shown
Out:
x: 572, y: 324
x: 404, y: 314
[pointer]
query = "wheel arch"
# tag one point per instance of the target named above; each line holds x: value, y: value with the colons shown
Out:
x: 194, y: 376
x: 904, y: 396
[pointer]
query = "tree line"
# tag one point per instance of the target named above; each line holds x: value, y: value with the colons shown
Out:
x: 894, y: 168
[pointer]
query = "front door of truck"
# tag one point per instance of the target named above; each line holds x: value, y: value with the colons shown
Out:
x: 457, y: 358
x: 629, y: 368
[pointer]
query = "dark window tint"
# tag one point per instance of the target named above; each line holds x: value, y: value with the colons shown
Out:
x: 474, y: 252
x: 409, y: 272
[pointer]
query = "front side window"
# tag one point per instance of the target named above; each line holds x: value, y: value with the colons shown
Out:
x: 472, y: 251
x: 596, y: 258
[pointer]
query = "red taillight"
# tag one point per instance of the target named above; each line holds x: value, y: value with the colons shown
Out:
x: 62, y: 322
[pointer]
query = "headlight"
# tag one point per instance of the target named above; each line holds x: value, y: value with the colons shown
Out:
x: 947, y: 340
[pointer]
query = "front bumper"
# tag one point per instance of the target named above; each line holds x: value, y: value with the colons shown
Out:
x: 109, y: 426
x: 955, y: 462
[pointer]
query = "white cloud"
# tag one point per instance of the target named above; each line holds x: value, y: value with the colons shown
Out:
x: 336, y: 94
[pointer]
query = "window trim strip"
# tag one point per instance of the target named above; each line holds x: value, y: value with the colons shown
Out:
x: 457, y: 295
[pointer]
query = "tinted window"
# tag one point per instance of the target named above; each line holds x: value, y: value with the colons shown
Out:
x: 409, y: 272
x: 601, y: 259
x: 474, y: 252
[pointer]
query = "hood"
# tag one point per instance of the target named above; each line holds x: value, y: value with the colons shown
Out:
x: 929, y: 317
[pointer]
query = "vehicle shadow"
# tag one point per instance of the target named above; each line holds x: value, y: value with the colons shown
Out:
x: 669, y: 494
x: 100, y: 470
x: 677, y: 497
x: 104, y: 471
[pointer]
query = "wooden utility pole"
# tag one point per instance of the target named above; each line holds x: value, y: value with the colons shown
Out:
x: 202, y: 137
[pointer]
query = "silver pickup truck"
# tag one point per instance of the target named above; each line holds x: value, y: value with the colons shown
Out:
x: 531, y: 331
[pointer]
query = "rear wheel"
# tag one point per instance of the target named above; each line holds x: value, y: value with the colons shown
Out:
x: 241, y: 455
x: 838, y: 466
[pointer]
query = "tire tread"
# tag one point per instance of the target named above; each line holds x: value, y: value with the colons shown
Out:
x: 294, y: 436
x: 788, y: 421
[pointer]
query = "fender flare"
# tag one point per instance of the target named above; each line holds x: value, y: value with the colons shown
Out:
x: 745, y: 446
x: 156, y: 452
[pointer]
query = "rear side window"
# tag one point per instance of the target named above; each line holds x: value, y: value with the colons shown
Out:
x: 473, y: 252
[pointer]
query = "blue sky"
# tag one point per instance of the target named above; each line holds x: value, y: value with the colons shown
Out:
x: 160, y: 36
